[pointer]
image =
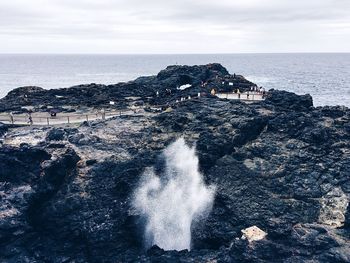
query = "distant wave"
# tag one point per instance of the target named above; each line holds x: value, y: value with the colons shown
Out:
x: 260, y: 79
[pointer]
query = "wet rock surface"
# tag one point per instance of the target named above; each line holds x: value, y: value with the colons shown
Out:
x: 280, y: 165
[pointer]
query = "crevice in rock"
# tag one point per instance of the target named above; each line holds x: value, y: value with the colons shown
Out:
x: 50, y: 183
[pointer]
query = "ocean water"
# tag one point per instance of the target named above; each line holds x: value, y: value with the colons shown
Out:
x: 325, y: 76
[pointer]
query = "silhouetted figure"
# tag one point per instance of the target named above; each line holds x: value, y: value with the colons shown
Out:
x: 11, y: 117
x: 103, y: 112
x: 30, y: 119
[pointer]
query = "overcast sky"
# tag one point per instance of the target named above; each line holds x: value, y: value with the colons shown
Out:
x: 174, y: 26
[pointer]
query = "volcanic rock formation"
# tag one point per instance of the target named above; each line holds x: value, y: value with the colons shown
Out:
x: 281, y: 165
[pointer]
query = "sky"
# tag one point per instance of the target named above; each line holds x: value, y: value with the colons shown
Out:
x: 174, y: 26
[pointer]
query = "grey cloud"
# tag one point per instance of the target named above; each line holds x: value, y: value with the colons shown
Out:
x: 157, y: 21
x: 192, y: 9
x: 261, y: 13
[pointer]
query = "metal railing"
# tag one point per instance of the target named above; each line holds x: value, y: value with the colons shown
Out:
x: 24, y: 119
x: 36, y: 119
x: 248, y: 96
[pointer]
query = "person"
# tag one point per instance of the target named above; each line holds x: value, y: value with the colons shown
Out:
x: 11, y: 117
x: 53, y: 113
x: 239, y: 93
x: 247, y: 95
x: 30, y: 119
x: 133, y: 108
x: 103, y: 112
x: 213, y: 92
x: 199, y: 94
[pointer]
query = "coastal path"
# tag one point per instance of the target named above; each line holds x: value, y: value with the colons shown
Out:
x: 44, y: 118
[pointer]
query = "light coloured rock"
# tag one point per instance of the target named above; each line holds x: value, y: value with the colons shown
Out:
x: 256, y: 163
x: 10, y: 212
x: 249, y: 163
x: 253, y: 233
x: 333, y: 208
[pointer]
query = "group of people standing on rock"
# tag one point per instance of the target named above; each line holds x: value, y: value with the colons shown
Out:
x: 259, y: 90
x: 167, y: 92
x: 255, y: 90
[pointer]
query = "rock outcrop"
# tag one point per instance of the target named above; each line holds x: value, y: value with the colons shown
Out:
x: 280, y: 165
x: 140, y: 91
x: 284, y: 100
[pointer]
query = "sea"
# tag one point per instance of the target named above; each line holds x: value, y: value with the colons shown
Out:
x: 326, y: 76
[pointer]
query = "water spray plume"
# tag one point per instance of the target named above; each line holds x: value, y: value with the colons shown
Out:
x: 170, y: 204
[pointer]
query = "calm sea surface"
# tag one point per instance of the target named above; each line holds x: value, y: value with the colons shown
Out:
x: 325, y: 76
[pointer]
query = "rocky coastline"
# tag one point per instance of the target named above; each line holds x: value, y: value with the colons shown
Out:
x: 280, y: 165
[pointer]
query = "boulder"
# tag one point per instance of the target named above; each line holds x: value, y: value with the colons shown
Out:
x: 253, y: 233
x: 285, y: 100
x: 55, y: 134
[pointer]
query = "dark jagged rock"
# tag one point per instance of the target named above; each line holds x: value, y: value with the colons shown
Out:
x: 18, y: 165
x: 176, y: 76
x: 281, y: 166
x: 284, y: 100
x: 55, y: 135
x: 23, y: 91
x: 201, y: 78
x: 3, y: 129
x: 28, y: 180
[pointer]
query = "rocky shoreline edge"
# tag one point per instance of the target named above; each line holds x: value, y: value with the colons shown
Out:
x: 280, y: 165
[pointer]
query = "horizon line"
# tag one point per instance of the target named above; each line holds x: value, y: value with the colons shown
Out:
x: 172, y: 54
